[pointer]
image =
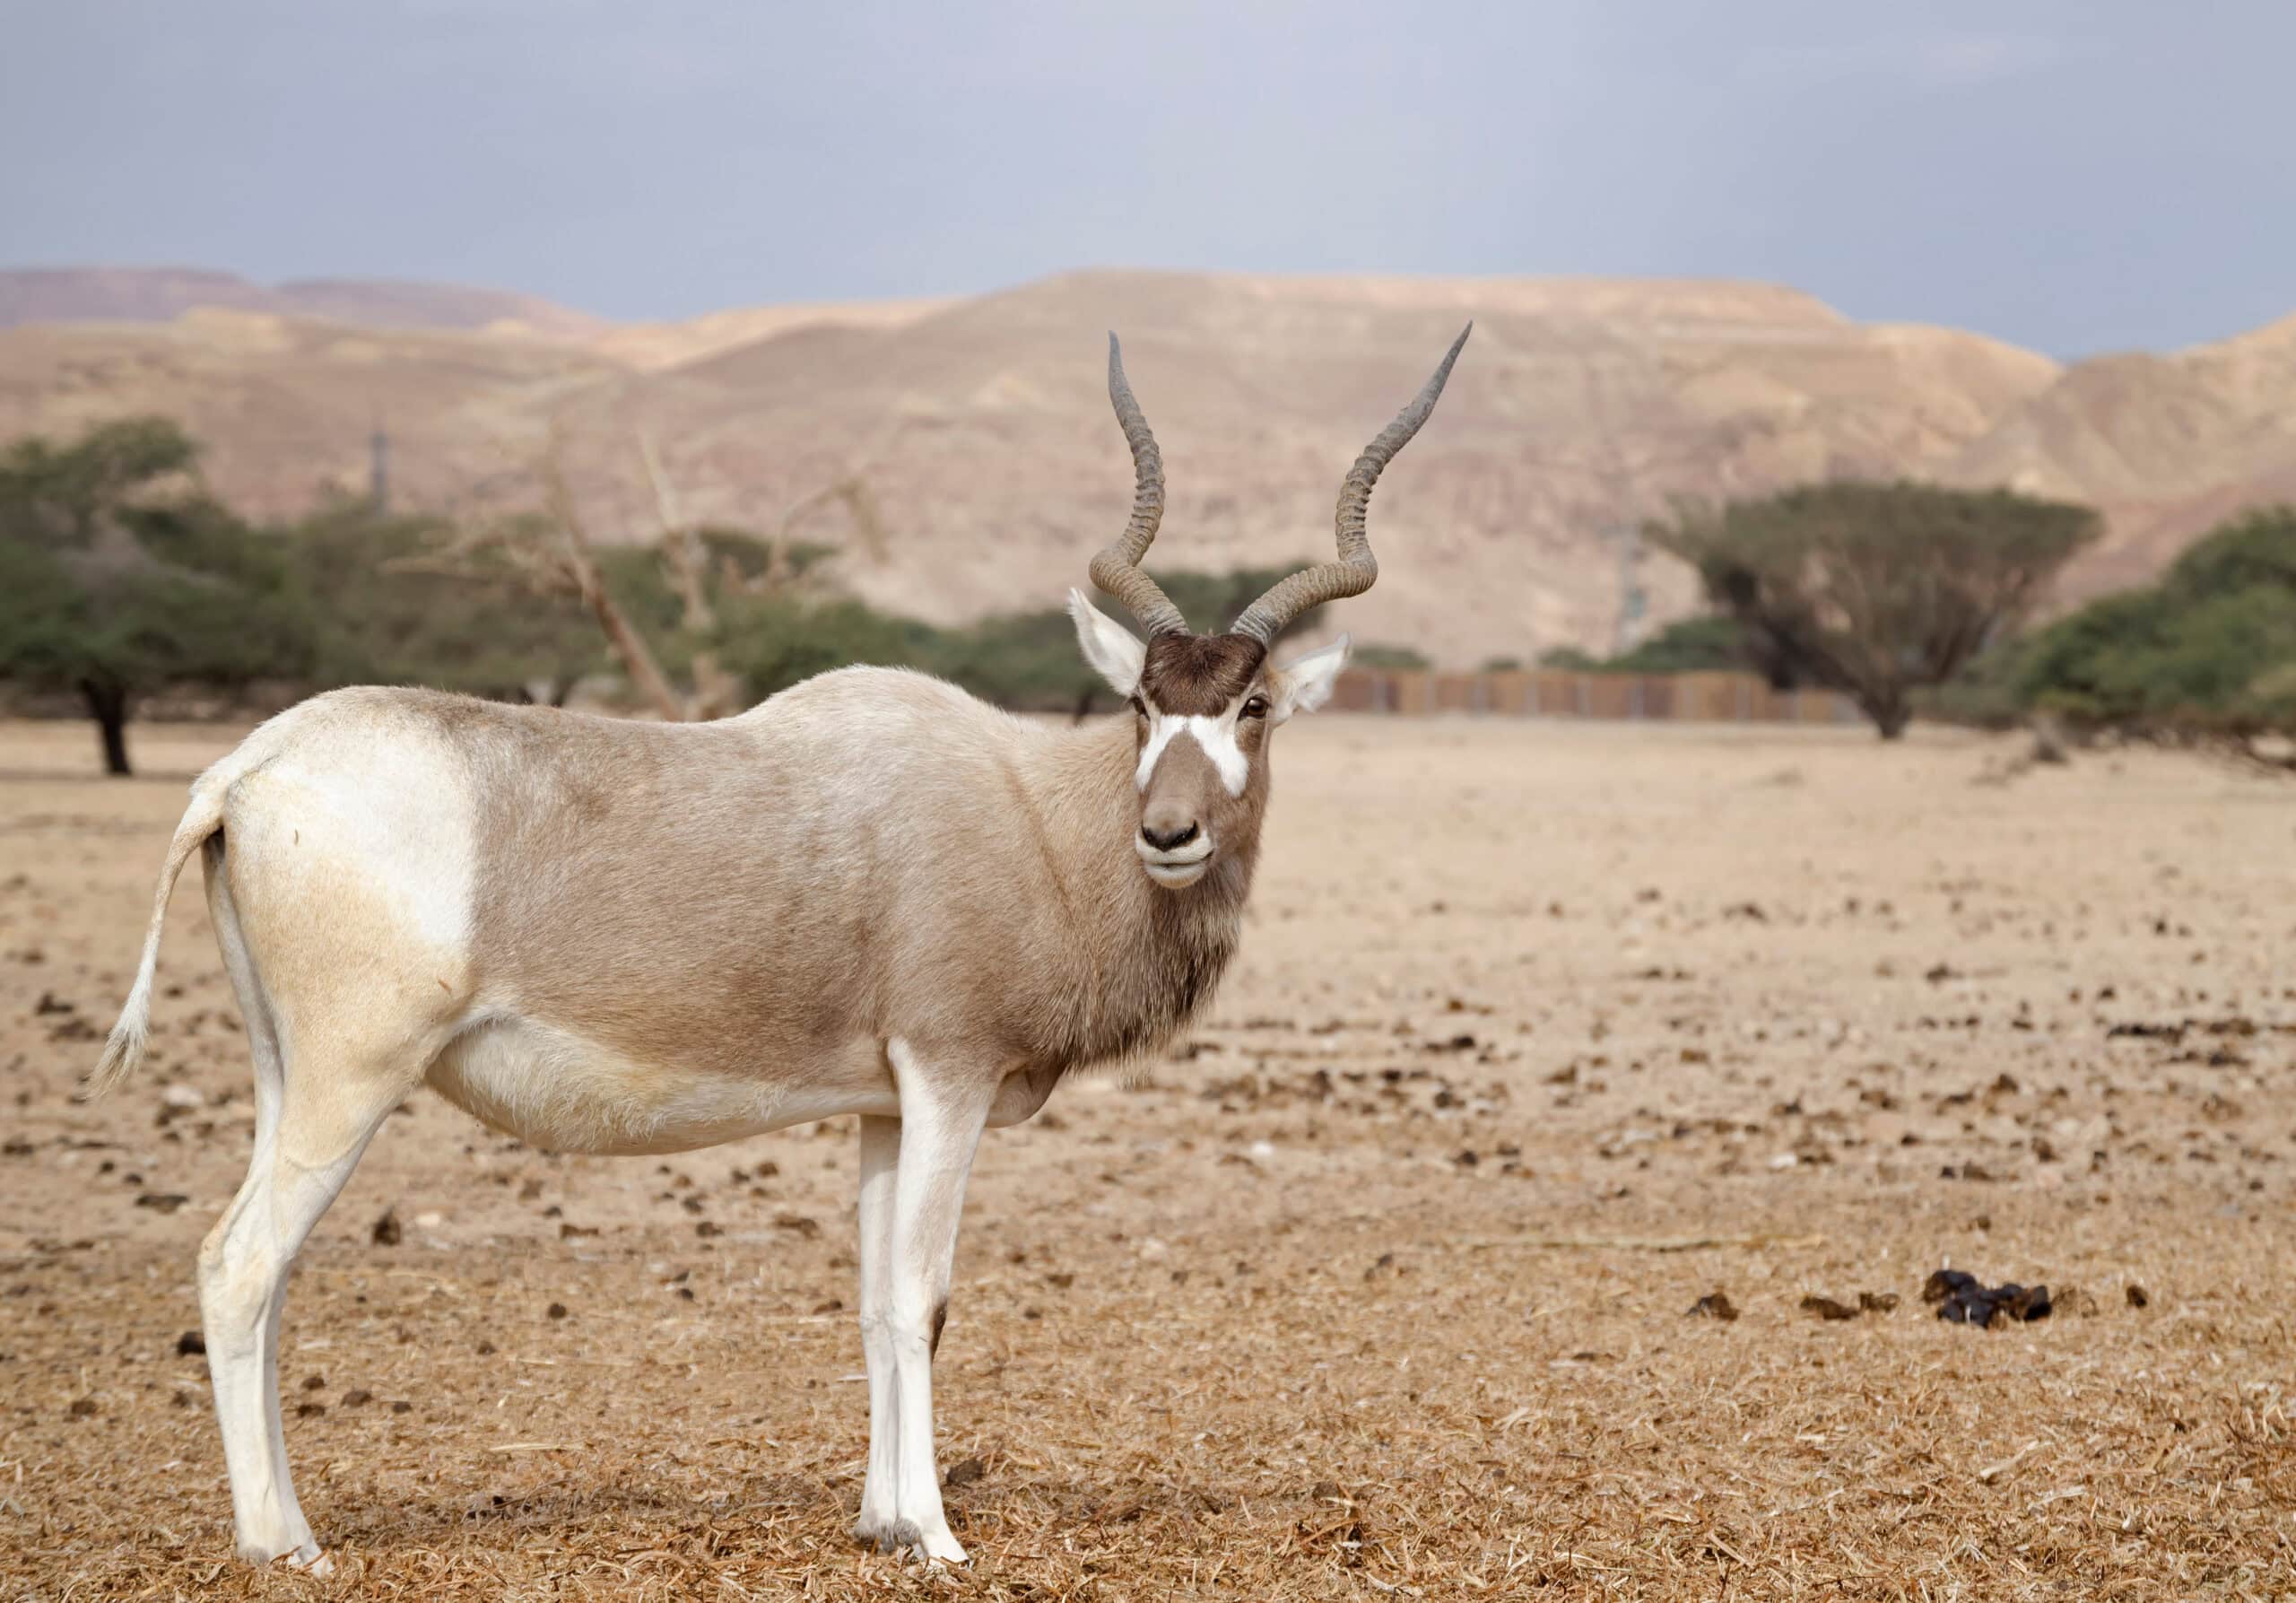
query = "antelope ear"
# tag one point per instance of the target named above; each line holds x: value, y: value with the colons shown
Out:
x: 1114, y: 651
x: 1305, y: 683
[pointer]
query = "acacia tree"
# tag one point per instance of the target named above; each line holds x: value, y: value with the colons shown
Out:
x: 114, y: 582
x: 710, y: 579
x: 1875, y: 589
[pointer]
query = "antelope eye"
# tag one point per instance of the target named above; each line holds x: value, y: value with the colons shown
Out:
x: 1139, y: 706
x: 1256, y: 708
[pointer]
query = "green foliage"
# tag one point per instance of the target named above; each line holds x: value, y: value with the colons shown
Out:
x: 1373, y: 654
x: 1875, y: 589
x: 1210, y: 601
x: 68, y: 488
x: 106, y: 581
x: 1027, y: 661
x: 2211, y: 647
x: 1706, y: 643
x: 1709, y: 641
x: 770, y: 641
x: 111, y: 591
x: 386, y: 616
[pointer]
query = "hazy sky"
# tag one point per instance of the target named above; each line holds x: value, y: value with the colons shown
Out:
x: 2076, y: 177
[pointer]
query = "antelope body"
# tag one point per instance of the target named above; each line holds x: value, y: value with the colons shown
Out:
x: 872, y: 894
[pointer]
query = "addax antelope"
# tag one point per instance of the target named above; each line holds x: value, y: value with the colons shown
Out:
x: 871, y: 894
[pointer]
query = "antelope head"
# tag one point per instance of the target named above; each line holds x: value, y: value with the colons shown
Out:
x: 1204, y: 706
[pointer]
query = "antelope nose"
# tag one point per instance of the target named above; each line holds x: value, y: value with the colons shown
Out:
x: 1165, y: 836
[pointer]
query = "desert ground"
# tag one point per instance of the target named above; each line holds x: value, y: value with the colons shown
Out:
x: 1380, y: 1287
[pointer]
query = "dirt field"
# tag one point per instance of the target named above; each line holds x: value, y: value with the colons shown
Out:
x: 1370, y: 1293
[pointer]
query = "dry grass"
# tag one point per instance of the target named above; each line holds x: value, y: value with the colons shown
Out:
x: 1262, y: 1329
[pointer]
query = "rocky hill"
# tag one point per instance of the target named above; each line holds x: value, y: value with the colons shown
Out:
x: 982, y: 424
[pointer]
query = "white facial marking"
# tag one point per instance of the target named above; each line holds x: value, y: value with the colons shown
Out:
x: 1216, y: 735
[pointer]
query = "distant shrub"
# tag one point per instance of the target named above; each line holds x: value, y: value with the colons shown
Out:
x: 2211, y: 649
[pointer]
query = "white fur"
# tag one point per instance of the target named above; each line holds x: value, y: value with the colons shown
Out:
x: 1305, y: 683
x: 1114, y: 652
x: 1216, y: 735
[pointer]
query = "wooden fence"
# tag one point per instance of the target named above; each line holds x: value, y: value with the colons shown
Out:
x: 1555, y: 693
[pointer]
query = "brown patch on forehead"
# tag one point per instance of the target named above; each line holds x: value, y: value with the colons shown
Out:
x: 1197, y: 675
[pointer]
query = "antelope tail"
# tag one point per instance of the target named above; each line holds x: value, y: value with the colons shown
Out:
x: 125, y: 1048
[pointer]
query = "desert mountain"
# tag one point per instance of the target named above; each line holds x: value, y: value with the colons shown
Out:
x: 2166, y: 445
x: 982, y: 425
x: 154, y: 294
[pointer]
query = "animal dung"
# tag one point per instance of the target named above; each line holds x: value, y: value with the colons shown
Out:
x: 1826, y: 1308
x: 191, y: 1344
x: 1963, y: 1299
x: 388, y: 1233
x: 1715, y: 1305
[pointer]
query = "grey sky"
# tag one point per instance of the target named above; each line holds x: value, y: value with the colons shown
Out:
x: 2073, y: 177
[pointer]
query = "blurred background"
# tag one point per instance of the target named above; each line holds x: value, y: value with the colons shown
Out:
x: 1869, y: 365
x: 1854, y: 559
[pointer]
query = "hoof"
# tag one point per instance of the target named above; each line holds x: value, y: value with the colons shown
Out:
x: 305, y: 1555
x: 946, y: 1554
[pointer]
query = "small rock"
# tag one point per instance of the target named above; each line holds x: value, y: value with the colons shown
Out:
x: 84, y: 1407
x: 315, y: 1382
x: 358, y: 1398
x: 1876, y: 1302
x: 402, y: 1407
x: 1715, y: 1305
x: 310, y: 1410
x: 165, y: 1202
x: 2136, y: 1295
x: 180, y: 1096
x: 557, y: 1311
x: 430, y: 1221
x: 965, y: 1472
x: 1826, y: 1308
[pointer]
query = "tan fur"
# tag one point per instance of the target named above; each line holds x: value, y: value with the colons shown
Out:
x: 666, y: 924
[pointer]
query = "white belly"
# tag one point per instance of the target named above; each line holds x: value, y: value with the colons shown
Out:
x: 562, y: 1093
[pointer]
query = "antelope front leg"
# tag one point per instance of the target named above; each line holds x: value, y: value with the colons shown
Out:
x: 941, y: 1118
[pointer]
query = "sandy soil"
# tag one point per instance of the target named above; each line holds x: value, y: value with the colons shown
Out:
x: 1367, y: 1293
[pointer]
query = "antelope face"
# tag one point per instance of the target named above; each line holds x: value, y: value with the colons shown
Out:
x: 1202, y: 708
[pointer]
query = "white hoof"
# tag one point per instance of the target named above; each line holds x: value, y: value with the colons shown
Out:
x: 939, y: 1548
x: 318, y: 1563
